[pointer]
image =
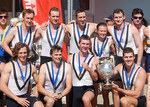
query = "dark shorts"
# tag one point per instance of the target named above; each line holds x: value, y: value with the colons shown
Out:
x: 1, y: 98
x: 57, y: 103
x: 147, y: 63
x: 77, y: 94
x: 141, y: 101
x: 12, y: 103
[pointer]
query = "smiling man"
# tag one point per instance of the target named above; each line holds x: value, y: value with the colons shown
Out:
x: 83, y: 74
x: 23, y: 33
x: 125, y: 35
x: 54, y: 34
x: 133, y: 77
x: 78, y: 28
x: 55, y: 79
x: 16, y: 77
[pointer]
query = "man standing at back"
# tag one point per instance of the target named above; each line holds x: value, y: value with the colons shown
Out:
x: 78, y: 28
x: 125, y: 35
x: 4, y: 29
x: 23, y: 33
x: 54, y: 34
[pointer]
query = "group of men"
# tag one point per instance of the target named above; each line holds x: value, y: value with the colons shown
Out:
x: 56, y: 77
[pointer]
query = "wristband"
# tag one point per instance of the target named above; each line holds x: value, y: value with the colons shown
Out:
x: 50, y: 94
x: 61, y: 95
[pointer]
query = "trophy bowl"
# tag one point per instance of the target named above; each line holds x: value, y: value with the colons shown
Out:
x: 106, y: 70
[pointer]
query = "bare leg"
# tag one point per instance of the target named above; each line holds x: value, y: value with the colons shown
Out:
x: 87, y: 98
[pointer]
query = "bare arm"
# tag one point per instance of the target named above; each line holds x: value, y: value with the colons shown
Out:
x: 8, y: 39
x: 34, y: 74
x: 148, y: 90
x: 42, y: 75
x: 4, y: 82
x: 112, y: 47
x: 68, y: 81
x: 138, y: 43
x: 38, y: 34
x: 92, y: 71
x: 138, y: 87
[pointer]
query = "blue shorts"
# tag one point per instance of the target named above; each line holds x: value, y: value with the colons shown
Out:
x: 147, y: 63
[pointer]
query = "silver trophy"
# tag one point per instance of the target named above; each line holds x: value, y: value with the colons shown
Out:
x: 106, y: 70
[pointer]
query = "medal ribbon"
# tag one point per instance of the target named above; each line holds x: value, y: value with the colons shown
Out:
x: 128, y: 81
x: 22, y: 35
x: 80, y: 67
x: 23, y: 77
x: 51, y: 34
x: 102, y: 46
x: 79, y: 32
x: 6, y: 32
x: 119, y: 41
x: 54, y: 79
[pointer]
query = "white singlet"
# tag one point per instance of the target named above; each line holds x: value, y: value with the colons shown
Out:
x: 47, y: 42
x: 127, y: 41
x: 61, y: 81
x: 85, y: 79
x: 74, y: 39
x: 15, y: 83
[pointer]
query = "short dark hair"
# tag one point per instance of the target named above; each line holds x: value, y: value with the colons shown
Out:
x: 3, y: 10
x: 55, y: 47
x: 128, y: 50
x: 54, y: 9
x: 118, y: 11
x: 79, y: 11
x: 16, y: 49
x: 25, y: 11
x: 84, y: 37
x: 137, y: 11
x: 101, y: 24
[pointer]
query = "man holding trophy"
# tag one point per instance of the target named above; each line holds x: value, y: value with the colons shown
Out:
x: 133, y: 77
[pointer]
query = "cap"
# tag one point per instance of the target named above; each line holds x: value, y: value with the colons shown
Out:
x: 110, y: 17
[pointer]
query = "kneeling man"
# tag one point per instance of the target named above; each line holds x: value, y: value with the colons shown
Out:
x: 133, y: 78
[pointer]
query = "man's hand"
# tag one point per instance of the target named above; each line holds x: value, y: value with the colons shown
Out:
x: 54, y: 96
x: 114, y: 86
x: 24, y: 102
x: 85, y: 66
x: 44, y: 25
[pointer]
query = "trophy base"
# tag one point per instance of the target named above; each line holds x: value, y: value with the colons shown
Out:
x: 107, y: 86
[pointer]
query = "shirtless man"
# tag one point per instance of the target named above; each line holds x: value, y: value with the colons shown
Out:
x: 16, y: 77
x: 23, y: 33
x: 78, y: 28
x: 133, y: 77
x: 55, y: 79
x: 83, y: 74
x: 54, y: 34
x: 125, y: 35
x: 4, y: 29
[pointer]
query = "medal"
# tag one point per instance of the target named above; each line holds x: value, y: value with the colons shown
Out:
x: 80, y: 75
x: 102, y: 46
x: 80, y: 67
x: 54, y: 86
x: 128, y: 88
x: 119, y: 41
x: 22, y: 76
x: 53, y: 39
x: 79, y: 32
x: 54, y: 80
x: 128, y: 80
x: 22, y: 35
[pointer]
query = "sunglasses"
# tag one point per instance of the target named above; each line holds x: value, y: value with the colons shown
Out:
x: 3, y: 16
x: 137, y: 17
